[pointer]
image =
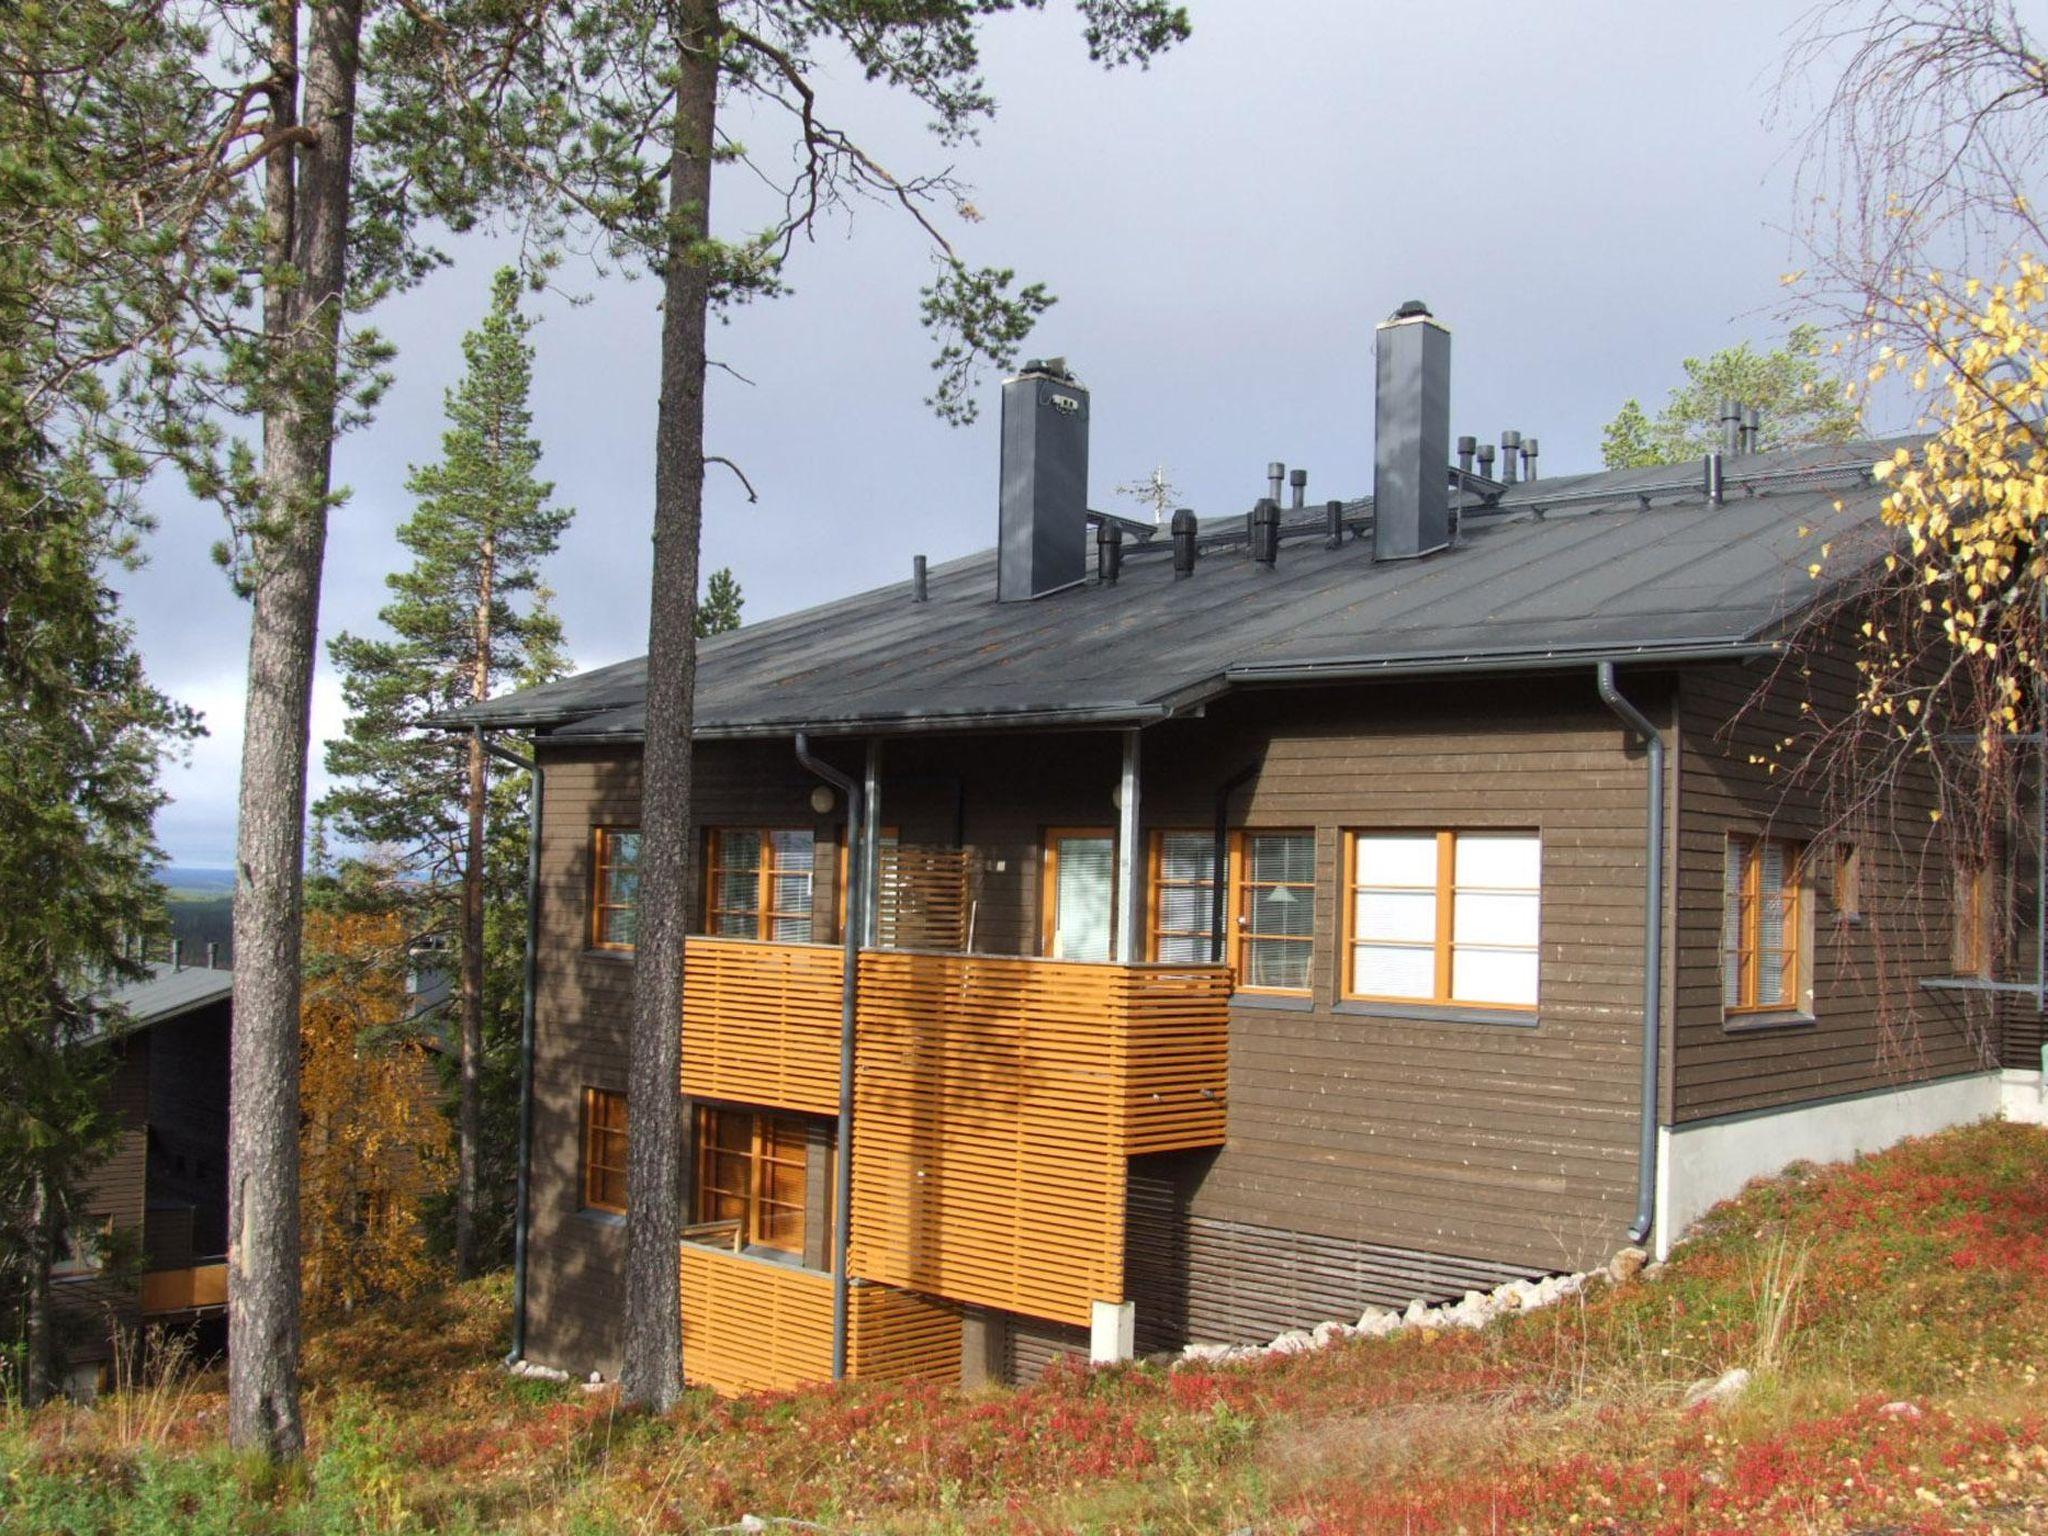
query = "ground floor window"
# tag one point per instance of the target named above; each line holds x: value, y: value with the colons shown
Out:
x: 1276, y: 911
x: 604, y: 1150
x: 753, y: 1168
x: 1762, y: 925
x: 1444, y: 917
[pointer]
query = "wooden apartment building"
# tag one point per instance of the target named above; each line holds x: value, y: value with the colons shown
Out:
x: 1279, y: 913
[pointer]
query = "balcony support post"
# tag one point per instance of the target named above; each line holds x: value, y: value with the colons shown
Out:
x: 857, y: 905
x: 1112, y: 1332
x: 1130, y: 885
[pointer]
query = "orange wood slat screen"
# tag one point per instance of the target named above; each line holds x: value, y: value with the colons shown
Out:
x: 997, y: 1102
x: 752, y: 1325
x: 761, y: 1023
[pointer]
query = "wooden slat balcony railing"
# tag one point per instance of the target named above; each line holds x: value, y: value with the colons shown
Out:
x: 755, y: 1325
x: 184, y: 1290
x: 997, y: 1103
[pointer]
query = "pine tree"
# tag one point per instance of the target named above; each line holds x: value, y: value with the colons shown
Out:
x: 718, y: 610
x: 1802, y: 404
x: 481, y: 528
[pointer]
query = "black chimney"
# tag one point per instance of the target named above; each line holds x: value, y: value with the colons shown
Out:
x: 1109, y: 552
x: 1411, y: 435
x: 1044, y: 510
x: 918, y: 593
x: 1333, y: 514
x: 1185, y: 528
x: 1266, y: 531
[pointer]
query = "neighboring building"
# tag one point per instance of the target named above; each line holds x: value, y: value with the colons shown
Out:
x: 1395, y: 747
x: 163, y: 1195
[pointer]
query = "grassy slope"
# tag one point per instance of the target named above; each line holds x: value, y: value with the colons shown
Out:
x: 1891, y: 1311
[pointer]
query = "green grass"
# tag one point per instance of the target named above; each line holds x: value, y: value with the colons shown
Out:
x: 1919, y: 1278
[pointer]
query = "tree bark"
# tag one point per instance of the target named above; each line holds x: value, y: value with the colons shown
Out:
x: 307, y: 203
x: 653, y: 1374
x: 469, y: 1104
x: 35, y: 1368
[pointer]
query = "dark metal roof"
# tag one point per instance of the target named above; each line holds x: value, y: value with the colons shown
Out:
x: 166, y: 993
x: 1625, y: 565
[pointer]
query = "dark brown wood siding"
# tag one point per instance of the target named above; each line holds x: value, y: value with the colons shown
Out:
x: 1872, y: 1025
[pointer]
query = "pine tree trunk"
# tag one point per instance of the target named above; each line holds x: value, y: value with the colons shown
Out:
x: 654, y: 1344
x: 307, y: 200
x: 469, y: 1106
x: 35, y: 1368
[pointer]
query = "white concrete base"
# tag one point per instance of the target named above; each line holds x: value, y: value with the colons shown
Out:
x: 1699, y: 1166
x: 2024, y: 1097
x: 1112, y: 1332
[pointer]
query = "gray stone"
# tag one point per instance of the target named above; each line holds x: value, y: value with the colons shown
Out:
x: 1718, y: 1391
x: 1626, y: 1265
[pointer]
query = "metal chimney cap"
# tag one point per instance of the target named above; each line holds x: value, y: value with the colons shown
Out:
x: 1297, y: 477
x: 1184, y: 520
x: 1414, y: 309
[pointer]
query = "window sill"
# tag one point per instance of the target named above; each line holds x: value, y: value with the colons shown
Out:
x: 598, y: 1218
x: 1279, y: 1002
x: 1442, y: 1013
x: 610, y: 956
x: 1751, y: 1023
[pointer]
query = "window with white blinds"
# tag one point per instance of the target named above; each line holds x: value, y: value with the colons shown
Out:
x: 1080, y: 882
x: 1445, y: 917
x: 1276, y: 911
x: 1183, y: 904
x: 758, y: 883
x: 1760, y: 925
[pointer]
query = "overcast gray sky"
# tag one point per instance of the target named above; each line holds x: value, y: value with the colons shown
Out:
x: 1585, y: 192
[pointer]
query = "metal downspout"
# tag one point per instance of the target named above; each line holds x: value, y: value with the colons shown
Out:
x: 849, y: 1002
x: 522, y: 1199
x: 1219, y: 887
x: 1653, y: 945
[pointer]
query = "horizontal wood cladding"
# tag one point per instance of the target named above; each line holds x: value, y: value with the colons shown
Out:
x: 184, y: 1290
x: 996, y: 1106
x: 761, y: 1023
x: 1871, y: 1025
x: 1030, y: 1345
x: 753, y: 1325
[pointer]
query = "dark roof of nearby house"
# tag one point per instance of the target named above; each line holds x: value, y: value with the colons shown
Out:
x: 169, y: 993
x: 1628, y: 565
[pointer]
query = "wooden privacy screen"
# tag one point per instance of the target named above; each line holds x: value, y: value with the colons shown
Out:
x: 184, y: 1290
x: 761, y: 1023
x: 996, y: 1105
x: 923, y: 897
x: 753, y: 1325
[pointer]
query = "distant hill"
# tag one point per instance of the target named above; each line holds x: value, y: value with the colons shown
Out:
x: 183, y: 880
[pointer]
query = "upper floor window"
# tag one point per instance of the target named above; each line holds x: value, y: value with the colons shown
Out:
x: 1275, y: 911
x: 1078, y: 901
x: 1762, y: 925
x: 615, y: 887
x: 1182, y: 909
x: 604, y: 1150
x: 753, y: 1170
x: 758, y: 883
x: 1444, y: 917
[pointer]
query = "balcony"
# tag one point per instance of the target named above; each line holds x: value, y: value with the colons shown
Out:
x: 755, y: 1325
x: 202, y: 1287
x: 997, y: 1101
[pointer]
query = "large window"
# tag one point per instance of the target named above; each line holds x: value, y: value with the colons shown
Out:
x: 1182, y: 909
x: 615, y: 887
x: 1275, y: 911
x: 752, y: 1169
x: 1444, y: 917
x: 758, y: 883
x: 1079, y: 896
x: 604, y: 1150
x: 1762, y: 921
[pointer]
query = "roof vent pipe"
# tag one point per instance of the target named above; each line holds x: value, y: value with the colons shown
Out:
x: 1297, y: 480
x: 1109, y: 552
x: 1467, y: 446
x: 1486, y: 460
x: 1710, y: 468
x: 918, y: 593
x: 1044, y: 503
x: 1266, y: 531
x: 1276, y: 475
x: 1334, y: 512
x: 1185, y: 527
x: 1753, y: 430
x: 1731, y: 425
x: 1510, y: 456
x: 1411, y: 435
x: 1529, y: 459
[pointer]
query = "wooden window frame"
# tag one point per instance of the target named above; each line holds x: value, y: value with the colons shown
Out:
x: 769, y: 1134
x: 765, y: 914
x: 600, y: 1140
x: 1049, y: 881
x: 1749, y: 944
x: 1443, y: 945
x: 1155, y: 884
x: 600, y: 867
x: 1971, y: 951
x: 1240, y: 906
